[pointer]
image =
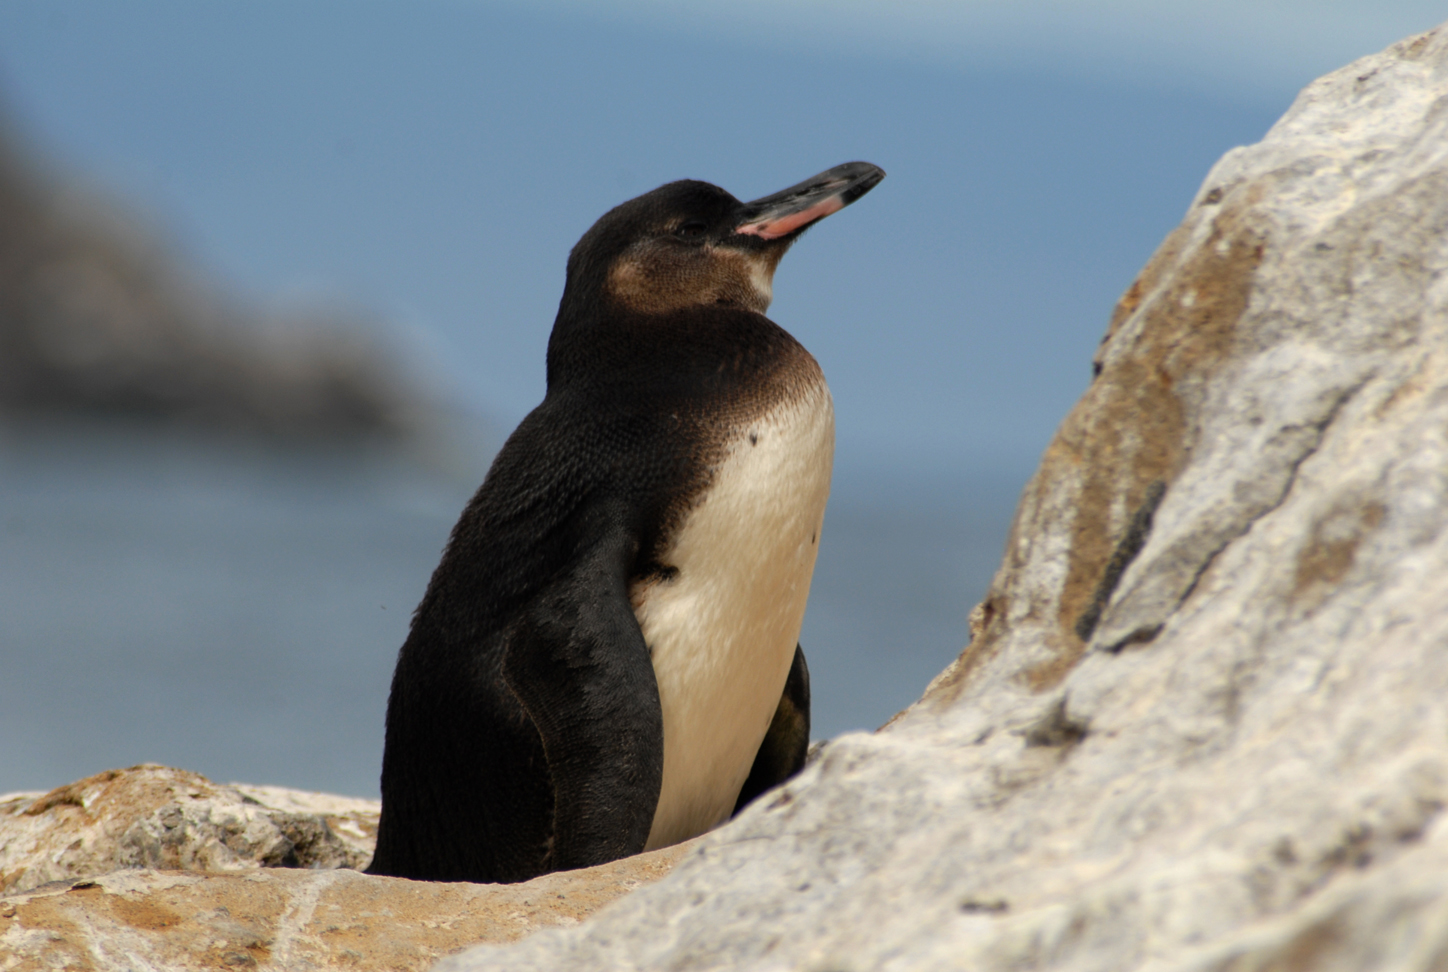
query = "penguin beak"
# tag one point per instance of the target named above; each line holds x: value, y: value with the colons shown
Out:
x: 788, y: 213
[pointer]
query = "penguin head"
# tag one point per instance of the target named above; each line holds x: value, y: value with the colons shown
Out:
x: 690, y: 244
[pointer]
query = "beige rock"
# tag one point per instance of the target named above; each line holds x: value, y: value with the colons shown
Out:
x: 157, y: 868
x: 290, y: 919
x: 158, y: 817
x: 1201, y: 723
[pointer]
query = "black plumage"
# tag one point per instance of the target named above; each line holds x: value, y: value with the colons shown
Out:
x: 524, y: 726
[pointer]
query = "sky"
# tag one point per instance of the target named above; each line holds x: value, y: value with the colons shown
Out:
x: 429, y: 165
x: 1239, y: 46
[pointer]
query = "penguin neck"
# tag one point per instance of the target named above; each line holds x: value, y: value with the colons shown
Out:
x: 575, y: 341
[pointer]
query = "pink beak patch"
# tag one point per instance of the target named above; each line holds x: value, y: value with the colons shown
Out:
x: 773, y: 229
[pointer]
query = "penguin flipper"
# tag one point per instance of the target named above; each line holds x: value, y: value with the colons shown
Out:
x: 578, y: 663
x: 785, y: 745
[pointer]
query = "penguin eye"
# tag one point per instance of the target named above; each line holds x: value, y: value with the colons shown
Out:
x: 692, y: 230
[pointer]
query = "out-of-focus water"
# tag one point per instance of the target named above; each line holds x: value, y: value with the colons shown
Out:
x: 236, y: 610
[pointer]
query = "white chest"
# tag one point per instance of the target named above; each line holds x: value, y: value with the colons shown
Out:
x: 722, y: 632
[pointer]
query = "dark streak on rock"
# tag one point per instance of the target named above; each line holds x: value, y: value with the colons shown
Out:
x: 1140, y: 636
x: 1126, y: 550
x: 1057, y: 729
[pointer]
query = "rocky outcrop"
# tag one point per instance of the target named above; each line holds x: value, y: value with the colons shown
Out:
x: 97, y: 318
x: 1201, y: 721
x: 156, y: 817
x: 161, y: 869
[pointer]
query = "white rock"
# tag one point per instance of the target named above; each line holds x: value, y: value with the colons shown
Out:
x: 1245, y: 762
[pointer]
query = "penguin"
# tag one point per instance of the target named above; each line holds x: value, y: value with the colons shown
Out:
x: 606, y: 659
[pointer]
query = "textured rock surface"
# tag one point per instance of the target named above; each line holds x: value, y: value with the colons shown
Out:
x: 119, y: 872
x: 157, y: 817
x: 1201, y: 722
x: 290, y: 919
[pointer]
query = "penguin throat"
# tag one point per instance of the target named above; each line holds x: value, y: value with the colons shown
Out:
x: 657, y: 282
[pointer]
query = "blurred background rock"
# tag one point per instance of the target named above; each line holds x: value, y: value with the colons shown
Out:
x: 100, y: 318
